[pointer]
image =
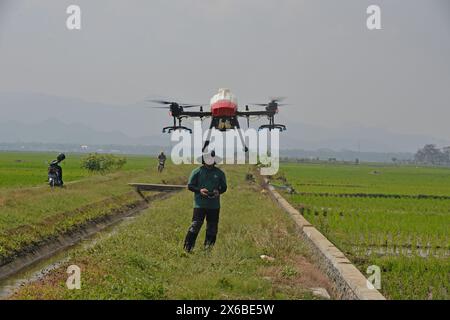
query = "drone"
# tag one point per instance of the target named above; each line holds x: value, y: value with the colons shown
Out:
x: 224, y: 114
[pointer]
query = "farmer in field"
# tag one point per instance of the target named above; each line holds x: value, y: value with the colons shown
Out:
x: 207, y: 182
x: 161, y: 161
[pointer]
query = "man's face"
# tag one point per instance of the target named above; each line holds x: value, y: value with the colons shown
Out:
x: 209, y: 160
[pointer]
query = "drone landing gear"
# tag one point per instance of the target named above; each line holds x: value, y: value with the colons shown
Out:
x: 235, y: 124
x: 274, y: 126
x: 207, y: 141
x: 175, y: 127
x: 241, y: 136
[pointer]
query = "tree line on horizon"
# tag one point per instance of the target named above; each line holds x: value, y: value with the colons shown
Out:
x: 432, y: 155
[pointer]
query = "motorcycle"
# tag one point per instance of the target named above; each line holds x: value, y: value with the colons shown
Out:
x: 54, y: 175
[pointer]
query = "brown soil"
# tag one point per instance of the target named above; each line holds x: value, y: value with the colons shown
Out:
x: 306, y: 275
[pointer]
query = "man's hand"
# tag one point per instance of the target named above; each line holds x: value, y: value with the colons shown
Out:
x: 204, y: 192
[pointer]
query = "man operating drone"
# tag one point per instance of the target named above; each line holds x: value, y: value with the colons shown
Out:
x: 207, y: 182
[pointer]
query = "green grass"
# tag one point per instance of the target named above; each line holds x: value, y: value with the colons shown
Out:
x: 27, y: 169
x: 407, y: 237
x: 144, y: 258
x: 31, y: 214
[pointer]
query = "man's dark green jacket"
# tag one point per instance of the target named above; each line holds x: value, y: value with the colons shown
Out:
x: 211, y: 179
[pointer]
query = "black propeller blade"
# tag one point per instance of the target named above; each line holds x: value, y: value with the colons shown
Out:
x: 273, y: 100
x: 277, y: 99
x: 161, y: 101
x: 169, y: 104
x: 267, y: 104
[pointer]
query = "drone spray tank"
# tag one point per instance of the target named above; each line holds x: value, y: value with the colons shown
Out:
x: 224, y: 105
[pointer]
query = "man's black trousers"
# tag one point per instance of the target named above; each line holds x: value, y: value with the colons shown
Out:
x: 212, y: 223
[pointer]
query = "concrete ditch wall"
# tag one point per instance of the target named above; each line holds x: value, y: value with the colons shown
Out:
x: 349, y: 282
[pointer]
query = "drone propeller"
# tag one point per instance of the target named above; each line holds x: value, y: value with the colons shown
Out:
x: 277, y: 99
x: 273, y: 100
x: 167, y: 107
x: 183, y: 106
x: 267, y: 104
x: 161, y: 101
x: 169, y: 104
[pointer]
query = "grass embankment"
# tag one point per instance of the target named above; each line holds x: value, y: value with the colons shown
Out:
x: 408, y: 238
x: 31, y: 215
x: 144, y: 258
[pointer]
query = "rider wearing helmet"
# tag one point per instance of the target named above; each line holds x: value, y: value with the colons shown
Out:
x: 55, y: 166
x: 61, y: 157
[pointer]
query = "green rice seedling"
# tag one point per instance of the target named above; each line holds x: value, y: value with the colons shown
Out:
x: 403, y: 226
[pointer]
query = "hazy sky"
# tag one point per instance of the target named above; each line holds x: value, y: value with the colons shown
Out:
x: 317, y: 53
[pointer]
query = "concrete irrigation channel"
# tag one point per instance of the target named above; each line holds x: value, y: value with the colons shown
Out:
x: 35, y: 261
x: 349, y: 283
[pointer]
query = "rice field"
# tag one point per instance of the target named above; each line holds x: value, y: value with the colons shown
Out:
x: 395, y: 217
